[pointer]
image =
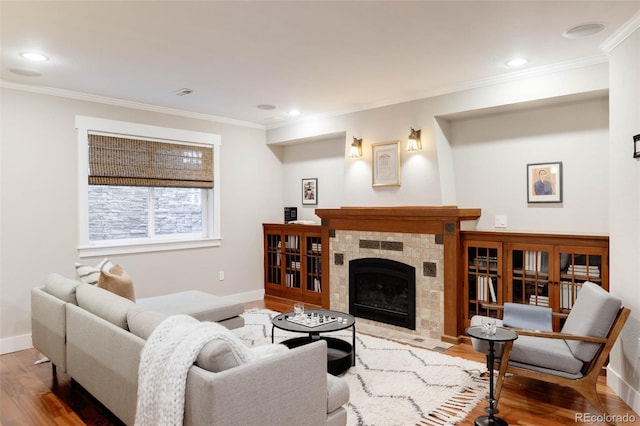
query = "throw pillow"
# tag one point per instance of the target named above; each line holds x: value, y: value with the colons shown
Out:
x: 91, y: 274
x: 117, y: 281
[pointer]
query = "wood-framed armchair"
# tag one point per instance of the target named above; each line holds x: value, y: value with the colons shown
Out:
x: 573, y: 357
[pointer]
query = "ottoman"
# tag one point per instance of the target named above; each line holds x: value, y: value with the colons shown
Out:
x: 200, y: 305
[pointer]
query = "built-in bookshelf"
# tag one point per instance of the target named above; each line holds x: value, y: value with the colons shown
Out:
x: 537, y: 269
x: 293, y: 262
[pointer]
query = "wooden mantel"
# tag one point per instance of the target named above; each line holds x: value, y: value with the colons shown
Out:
x: 444, y: 220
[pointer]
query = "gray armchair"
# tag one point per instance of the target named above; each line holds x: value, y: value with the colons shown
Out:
x: 575, y: 356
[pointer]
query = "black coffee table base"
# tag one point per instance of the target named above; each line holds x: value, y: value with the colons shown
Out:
x: 339, y: 352
x: 488, y: 421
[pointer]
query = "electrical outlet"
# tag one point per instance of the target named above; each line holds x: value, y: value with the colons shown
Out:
x: 500, y: 221
x: 221, y: 275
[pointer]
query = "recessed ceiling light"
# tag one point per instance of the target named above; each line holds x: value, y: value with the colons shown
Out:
x: 516, y: 62
x: 34, y: 56
x: 183, y: 92
x: 294, y: 113
x: 584, y: 30
x: 266, y: 107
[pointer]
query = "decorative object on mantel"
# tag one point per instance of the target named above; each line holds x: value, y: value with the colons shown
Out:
x: 392, y: 382
x: 544, y: 182
x: 310, y: 191
x: 290, y: 214
x: 636, y: 146
x: 386, y: 164
x: 414, y: 143
x: 356, y: 148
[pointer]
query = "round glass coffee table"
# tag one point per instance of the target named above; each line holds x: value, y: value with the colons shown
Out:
x: 500, y: 335
x: 341, y: 355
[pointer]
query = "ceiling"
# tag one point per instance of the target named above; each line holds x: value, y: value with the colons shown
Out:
x: 319, y: 57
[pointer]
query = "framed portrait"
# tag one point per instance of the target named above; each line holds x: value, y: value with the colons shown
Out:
x: 310, y: 191
x: 544, y: 182
x: 385, y: 169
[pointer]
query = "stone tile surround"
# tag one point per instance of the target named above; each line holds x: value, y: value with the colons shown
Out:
x: 422, y: 251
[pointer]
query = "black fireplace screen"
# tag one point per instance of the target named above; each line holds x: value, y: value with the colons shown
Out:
x: 383, y: 290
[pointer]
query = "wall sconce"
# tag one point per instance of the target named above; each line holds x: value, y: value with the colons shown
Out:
x: 414, y: 143
x: 356, y: 148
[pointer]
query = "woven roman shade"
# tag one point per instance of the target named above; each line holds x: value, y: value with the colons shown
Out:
x: 133, y: 162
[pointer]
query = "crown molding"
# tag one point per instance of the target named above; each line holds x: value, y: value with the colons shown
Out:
x: 126, y: 104
x: 621, y: 33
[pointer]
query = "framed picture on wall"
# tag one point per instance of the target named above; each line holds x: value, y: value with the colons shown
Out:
x: 385, y: 169
x: 544, y: 182
x: 310, y: 191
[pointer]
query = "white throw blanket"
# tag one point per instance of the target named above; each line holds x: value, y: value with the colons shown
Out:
x: 166, y: 358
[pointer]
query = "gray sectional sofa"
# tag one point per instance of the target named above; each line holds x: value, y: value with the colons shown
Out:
x: 97, y: 337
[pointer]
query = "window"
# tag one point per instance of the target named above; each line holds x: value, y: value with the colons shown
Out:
x: 146, y: 188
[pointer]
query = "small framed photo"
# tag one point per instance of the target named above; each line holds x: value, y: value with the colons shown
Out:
x: 310, y: 191
x: 544, y: 182
x: 385, y: 169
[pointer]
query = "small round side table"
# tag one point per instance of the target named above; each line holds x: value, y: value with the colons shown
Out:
x: 502, y: 335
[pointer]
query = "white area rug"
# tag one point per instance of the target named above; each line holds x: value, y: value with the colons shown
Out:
x: 393, y: 383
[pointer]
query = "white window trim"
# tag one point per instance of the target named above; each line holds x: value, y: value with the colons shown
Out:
x: 84, y: 125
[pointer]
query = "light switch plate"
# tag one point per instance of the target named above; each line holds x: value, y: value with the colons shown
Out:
x: 500, y: 221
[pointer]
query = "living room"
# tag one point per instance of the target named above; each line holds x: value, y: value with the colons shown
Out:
x: 476, y: 145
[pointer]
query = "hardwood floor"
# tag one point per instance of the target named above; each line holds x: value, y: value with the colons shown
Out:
x: 31, y: 395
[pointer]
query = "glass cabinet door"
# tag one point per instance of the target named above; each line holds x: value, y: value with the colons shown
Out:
x: 314, y: 264
x: 274, y: 258
x: 577, y: 265
x: 483, y: 283
x: 292, y: 261
x: 529, y: 281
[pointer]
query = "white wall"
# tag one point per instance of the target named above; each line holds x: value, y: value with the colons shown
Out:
x: 491, y: 153
x: 624, y: 212
x: 427, y: 177
x: 39, y: 209
x: 321, y: 159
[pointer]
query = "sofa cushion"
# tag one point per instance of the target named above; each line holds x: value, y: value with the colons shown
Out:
x: 117, y: 281
x: 142, y: 321
x: 201, y: 306
x: 592, y: 314
x: 61, y: 287
x: 217, y: 355
x: 549, y: 353
x: 91, y: 274
x: 104, y: 304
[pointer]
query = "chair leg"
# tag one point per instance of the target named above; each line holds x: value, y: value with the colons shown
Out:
x: 54, y: 369
x: 504, y: 364
x: 588, y: 390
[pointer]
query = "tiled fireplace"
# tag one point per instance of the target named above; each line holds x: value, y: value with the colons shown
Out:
x: 425, y: 238
x: 421, y: 251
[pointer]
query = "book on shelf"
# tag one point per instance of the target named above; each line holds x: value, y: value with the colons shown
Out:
x: 539, y: 300
x: 316, y: 247
x: 316, y: 285
x: 293, y: 242
x: 591, y: 270
x: 536, y: 261
x: 484, y: 261
x: 486, y: 288
x: 568, y: 294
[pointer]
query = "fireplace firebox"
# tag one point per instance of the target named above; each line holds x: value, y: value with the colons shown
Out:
x: 383, y: 290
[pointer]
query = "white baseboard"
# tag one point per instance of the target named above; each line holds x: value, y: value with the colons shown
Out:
x: 15, y: 343
x: 249, y: 296
x: 624, y: 390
